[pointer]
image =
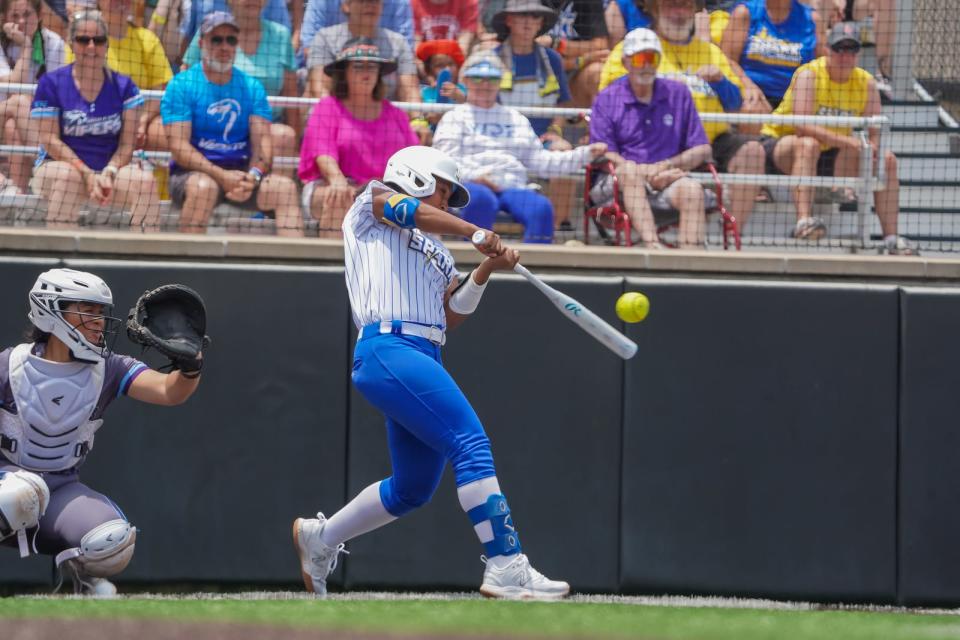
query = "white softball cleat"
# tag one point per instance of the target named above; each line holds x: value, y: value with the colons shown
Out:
x: 520, y: 581
x: 317, y: 560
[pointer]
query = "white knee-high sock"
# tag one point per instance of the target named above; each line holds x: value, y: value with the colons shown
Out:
x: 362, y: 514
x: 475, y: 494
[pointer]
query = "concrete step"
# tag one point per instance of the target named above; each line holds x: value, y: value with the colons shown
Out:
x: 940, y: 168
x: 938, y: 141
x: 945, y: 196
x: 912, y: 114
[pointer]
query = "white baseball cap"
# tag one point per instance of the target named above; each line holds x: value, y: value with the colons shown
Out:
x: 641, y: 40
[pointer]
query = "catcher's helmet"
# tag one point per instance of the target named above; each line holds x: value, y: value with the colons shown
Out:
x: 56, y: 288
x: 414, y: 171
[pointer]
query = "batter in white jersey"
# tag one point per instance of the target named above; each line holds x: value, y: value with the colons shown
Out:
x: 405, y: 294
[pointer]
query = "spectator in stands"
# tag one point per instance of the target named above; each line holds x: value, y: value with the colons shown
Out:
x: 395, y: 16
x: 363, y: 17
x: 137, y: 53
x: 833, y: 85
x: 351, y: 134
x: 441, y: 58
x: 27, y: 51
x: 446, y: 20
x: 715, y: 88
x: 495, y: 148
x: 770, y: 39
x: 580, y: 36
x: 877, y: 21
x: 218, y: 123
x: 87, y: 119
x: 193, y: 11
x: 534, y: 75
x: 265, y: 53
x: 653, y: 136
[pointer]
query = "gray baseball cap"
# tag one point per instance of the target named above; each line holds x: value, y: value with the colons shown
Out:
x: 844, y: 32
x: 216, y: 19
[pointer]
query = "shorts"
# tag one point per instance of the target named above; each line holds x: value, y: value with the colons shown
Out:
x: 726, y: 145
x: 826, y: 163
x: 602, y: 192
x: 177, y: 186
x: 306, y: 195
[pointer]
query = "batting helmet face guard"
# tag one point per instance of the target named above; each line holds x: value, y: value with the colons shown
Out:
x: 50, y: 296
x: 414, y: 170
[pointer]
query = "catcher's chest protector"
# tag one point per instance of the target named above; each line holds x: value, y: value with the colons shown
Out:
x: 55, y: 400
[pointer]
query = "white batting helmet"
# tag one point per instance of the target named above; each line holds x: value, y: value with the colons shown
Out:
x: 414, y: 170
x: 56, y: 288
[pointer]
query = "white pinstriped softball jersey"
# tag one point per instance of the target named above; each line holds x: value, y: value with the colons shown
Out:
x: 393, y: 273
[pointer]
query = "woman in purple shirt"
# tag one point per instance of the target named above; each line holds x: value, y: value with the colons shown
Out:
x: 88, y: 123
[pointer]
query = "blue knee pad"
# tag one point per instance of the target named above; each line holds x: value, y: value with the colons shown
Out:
x: 505, y: 540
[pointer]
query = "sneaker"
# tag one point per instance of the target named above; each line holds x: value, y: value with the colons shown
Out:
x: 901, y: 247
x: 520, y: 581
x: 98, y: 587
x: 809, y: 229
x: 317, y: 560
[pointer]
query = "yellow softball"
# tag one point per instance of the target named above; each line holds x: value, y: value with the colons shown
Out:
x: 633, y: 306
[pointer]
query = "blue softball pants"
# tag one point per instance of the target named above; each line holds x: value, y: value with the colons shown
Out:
x: 429, y: 420
x: 531, y: 209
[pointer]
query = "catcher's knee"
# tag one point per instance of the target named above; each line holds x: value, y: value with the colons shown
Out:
x: 24, y: 497
x: 104, y: 551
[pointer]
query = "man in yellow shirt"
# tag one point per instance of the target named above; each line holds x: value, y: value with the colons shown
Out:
x: 832, y: 85
x: 137, y: 53
x: 715, y: 89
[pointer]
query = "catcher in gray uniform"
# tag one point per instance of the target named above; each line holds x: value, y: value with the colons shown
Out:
x: 54, y: 390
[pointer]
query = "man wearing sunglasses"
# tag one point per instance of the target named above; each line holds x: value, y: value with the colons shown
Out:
x: 653, y: 136
x: 217, y: 121
x: 833, y: 85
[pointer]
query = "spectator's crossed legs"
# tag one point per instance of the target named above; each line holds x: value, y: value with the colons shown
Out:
x: 683, y: 194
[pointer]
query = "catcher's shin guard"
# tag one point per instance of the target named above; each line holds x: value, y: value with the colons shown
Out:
x: 505, y: 540
x: 24, y: 497
x: 104, y: 551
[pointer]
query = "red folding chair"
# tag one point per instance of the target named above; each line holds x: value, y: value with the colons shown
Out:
x: 611, y: 216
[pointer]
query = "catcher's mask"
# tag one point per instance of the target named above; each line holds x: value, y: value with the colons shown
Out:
x: 52, y: 294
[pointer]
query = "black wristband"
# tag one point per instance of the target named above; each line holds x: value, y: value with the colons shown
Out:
x: 193, y: 375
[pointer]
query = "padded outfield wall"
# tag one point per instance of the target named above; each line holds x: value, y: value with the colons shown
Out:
x: 781, y: 439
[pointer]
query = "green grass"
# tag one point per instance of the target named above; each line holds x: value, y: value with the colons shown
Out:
x: 570, y: 619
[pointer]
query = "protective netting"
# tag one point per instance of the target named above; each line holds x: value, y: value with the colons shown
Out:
x: 267, y: 116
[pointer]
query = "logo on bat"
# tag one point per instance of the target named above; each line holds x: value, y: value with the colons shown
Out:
x: 573, y: 308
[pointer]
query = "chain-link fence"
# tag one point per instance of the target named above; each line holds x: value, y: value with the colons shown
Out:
x: 568, y: 123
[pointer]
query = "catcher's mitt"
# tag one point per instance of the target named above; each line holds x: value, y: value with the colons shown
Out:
x: 173, y: 320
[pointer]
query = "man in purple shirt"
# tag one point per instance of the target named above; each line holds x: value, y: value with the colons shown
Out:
x: 654, y: 136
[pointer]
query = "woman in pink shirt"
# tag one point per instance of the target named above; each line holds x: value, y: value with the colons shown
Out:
x: 351, y: 134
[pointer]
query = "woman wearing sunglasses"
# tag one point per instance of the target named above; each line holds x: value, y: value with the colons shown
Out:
x: 835, y: 85
x: 351, y: 134
x: 87, y: 118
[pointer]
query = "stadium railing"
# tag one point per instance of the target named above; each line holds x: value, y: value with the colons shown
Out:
x: 857, y: 236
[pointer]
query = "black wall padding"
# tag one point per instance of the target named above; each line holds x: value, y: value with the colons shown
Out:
x: 214, y: 484
x: 760, y: 441
x: 550, y: 399
x: 930, y: 448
